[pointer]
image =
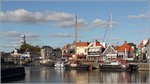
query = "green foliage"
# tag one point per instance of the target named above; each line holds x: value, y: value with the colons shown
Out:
x: 30, y: 47
x: 135, y: 48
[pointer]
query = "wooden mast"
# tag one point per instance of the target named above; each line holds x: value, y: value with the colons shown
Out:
x: 76, y: 25
x: 76, y: 34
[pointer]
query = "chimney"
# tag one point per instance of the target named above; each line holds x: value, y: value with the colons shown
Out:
x: 125, y: 42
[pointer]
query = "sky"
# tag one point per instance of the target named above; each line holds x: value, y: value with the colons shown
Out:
x: 52, y: 23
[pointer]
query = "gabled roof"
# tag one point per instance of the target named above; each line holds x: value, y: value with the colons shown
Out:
x: 66, y: 46
x: 107, y: 50
x: 95, y: 43
x: 46, y: 47
x: 18, y: 51
x: 99, y: 44
x: 79, y: 44
x: 143, y: 43
x: 124, y: 47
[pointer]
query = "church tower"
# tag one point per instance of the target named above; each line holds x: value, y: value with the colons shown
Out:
x: 23, y: 39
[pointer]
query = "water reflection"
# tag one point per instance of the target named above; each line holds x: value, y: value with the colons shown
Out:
x: 76, y: 76
x: 50, y: 75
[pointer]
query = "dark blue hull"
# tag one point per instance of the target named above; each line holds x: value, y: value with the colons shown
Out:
x: 84, y: 67
x: 112, y: 68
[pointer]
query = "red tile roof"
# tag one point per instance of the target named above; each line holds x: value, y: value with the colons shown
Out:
x: 98, y: 44
x: 66, y: 46
x: 141, y: 44
x: 82, y: 44
x: 123, y: 47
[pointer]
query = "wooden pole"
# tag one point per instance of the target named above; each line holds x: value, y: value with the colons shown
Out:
x: 91, y: 67
x: 76, y: 25
x: 75, y: 32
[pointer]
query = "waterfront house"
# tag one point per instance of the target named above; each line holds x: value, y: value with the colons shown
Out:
x: 57, y: 54
x: 68, y: 50
x: 6, y: 56
x: 46, y: 54
x: 16, y: 55
x: 109, y: 53
x: 125, y: 51
x: 95, y: 50
x: 81, y: 49
x: 144, y: 49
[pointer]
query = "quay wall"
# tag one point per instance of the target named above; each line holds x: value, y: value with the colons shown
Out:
x: 12, y: 73
x: 143, y: 67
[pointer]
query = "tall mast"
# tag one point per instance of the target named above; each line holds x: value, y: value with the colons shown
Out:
x: 109, y: 25
x: 75, y: 33
x: 148, y: 51
x: 149, y: 20
x: 76, y: 25
x: 110, y: 28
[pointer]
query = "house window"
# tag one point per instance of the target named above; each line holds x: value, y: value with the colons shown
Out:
x: 85, y: 50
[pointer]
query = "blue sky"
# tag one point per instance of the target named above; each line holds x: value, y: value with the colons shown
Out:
x: 52, y: 23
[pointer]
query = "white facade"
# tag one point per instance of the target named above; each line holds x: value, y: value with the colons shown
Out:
x: 46, y: 52
x: 42, y: 54
x: 94, y: 50
x: 81, y: 50
x: 109, y: 53
x: 26, y: 55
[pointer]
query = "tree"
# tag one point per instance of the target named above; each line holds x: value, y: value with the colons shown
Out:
x: 30, y: 47
x: 135, y: 48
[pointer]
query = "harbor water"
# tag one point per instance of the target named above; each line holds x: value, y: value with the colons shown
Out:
x: 41, y: 74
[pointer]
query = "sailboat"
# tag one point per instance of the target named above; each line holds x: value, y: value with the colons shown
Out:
x: 112, y: 65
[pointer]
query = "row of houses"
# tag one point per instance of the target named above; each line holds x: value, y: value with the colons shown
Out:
x: 82, y: 50
x: 100, y: 51
x: 20, y: 56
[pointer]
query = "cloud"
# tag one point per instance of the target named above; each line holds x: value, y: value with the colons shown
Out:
x: 12, y: 34
x: 60, y: 19
x: 15, y: 36
x: 71, y: 23
x: 18, y: 34
x: 10, y: 46
x: 56, y: 18
x: 32, y: 35
x: 140, y: 16
x: 24, y: 16
x: 63, y: 35
x: 101, y: 23
x: 98, y: 22
x: 11, y: 39
x: 60, y: 35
